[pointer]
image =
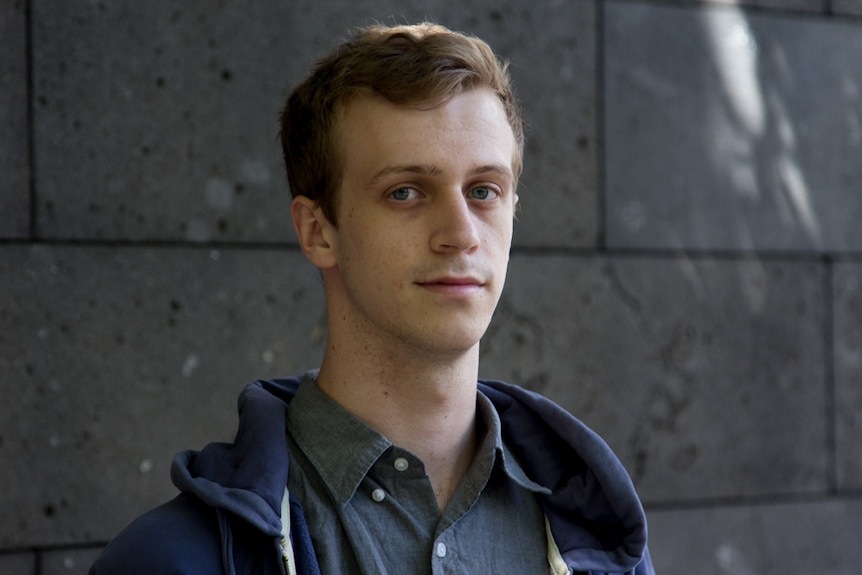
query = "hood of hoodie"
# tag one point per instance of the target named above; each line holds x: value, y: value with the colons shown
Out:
x: 594, y: 513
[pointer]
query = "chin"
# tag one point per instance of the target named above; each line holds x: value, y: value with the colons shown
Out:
x: 454, y: 344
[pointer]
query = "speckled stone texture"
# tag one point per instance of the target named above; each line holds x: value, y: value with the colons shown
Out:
x: 14, y: 137
x: 172, y: 133
x: 705, y: 376
x: 118, y: 358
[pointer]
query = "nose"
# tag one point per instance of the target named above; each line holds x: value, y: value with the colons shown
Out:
x: 455, y: 225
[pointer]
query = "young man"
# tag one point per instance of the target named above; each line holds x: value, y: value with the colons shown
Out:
x: 403, y: 152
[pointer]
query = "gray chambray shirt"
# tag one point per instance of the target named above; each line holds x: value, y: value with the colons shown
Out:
x: 371, y: 509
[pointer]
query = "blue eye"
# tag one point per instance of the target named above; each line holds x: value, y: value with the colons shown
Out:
x: 482, y: 193
x: 402, y: 194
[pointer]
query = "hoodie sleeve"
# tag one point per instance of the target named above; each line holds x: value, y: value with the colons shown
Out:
x: 180, y: 537
x: 188, y: 537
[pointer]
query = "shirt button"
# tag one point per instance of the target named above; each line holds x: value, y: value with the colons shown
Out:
x: 401, y: 464
x: 378, y: 495
x: 441, y: 550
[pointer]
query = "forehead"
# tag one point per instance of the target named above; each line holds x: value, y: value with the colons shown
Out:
x: 470, y: 128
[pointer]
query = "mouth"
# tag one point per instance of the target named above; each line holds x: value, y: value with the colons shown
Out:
x: 453, y: 285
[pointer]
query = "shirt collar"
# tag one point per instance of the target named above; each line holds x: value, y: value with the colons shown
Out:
x: 342, y: 448
x: 503, y: 458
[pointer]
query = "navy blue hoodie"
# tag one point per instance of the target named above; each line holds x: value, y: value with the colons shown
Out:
x: 227, y: 518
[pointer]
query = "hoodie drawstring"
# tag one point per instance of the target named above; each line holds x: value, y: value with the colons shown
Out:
x: 286, y: 547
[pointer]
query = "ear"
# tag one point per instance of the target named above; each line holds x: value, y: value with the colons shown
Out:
x: 314, y: 232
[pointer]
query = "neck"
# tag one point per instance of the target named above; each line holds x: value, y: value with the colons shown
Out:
x: 424, y: 404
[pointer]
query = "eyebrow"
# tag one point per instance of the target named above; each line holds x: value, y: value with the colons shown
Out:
x: 433, y: 170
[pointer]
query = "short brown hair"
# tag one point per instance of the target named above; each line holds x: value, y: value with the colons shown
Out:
x: 423, y: 64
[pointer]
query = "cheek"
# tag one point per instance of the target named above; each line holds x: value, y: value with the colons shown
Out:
x: 500, y: 233
x: 373, y: 251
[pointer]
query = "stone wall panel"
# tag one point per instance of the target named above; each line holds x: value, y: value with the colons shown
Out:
x: 118, y: 358
x: 705, y: 376
x: 171, y: 134
x: 731, y: 130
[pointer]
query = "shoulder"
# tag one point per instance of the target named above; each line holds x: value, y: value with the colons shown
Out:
x: 179, y: 537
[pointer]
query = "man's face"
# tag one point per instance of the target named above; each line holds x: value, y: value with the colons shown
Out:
x: 425, y: 216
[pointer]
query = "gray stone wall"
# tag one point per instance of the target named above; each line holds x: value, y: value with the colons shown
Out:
x: 686, y: 275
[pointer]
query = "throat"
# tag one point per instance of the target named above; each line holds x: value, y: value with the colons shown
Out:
x: 446, y: 468
x: 431, y: 413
